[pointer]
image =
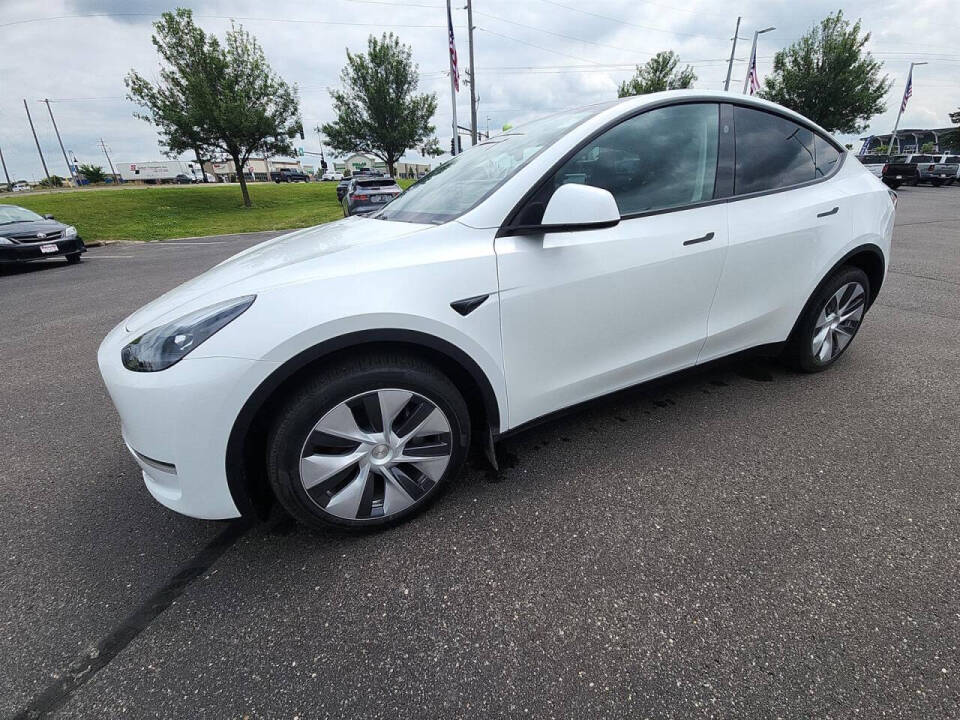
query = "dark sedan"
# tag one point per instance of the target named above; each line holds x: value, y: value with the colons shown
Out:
x: 24, y: 235
x: 366, y: 195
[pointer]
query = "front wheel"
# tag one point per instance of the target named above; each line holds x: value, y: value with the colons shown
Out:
x: 368, y: 442
x: 73, y: 258
x: 829, y: 322
x: 936, y: 183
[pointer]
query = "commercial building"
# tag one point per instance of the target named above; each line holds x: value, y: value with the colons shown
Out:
x: 907, y: 141
x: 255, y: 170
x: 361, y: 161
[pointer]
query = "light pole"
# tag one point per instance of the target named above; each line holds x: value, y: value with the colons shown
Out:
x: 753, y: 56
x: 73, y: 177
x: 903, y: 104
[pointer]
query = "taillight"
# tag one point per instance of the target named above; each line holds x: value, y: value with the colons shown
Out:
x: 361, y: 197
x: 884, y: 170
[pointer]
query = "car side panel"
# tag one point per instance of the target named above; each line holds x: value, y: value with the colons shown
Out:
x: 781, y: 244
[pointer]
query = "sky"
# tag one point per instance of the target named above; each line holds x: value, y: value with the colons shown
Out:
x: 532, y: 57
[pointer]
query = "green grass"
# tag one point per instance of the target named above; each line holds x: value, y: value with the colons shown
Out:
x: 158, y: 213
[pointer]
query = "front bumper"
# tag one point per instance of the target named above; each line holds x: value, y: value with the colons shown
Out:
x: 176, y: 423
x: 32, y: 251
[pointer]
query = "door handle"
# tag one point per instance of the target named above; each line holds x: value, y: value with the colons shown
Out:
x: 708, y: 236
x: 829, y: 212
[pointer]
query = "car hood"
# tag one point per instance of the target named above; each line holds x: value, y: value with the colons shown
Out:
x: 30, y: 229
x: 271, y: 263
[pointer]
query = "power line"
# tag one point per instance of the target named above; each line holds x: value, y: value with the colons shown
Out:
x: 632, y: 24
x: 538, y: 47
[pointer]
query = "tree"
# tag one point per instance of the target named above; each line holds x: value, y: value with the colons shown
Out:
x: 215, y: 97
x: 928, y: 147
x: 828, y: 77
x: 658, y: 74
x: 93, y: 173
x: 951, y: 141
x: 52, y: 181
x: 378, y: 109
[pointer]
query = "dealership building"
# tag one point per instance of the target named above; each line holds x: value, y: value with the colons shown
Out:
x: 906, y: 141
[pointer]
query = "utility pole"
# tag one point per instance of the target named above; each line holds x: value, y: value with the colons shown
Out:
x: 753, y: 56
x: 103, y: 146
x: 453, y: 80
x: 73, y: 177
x: 903, y: 104
x: 733, y: 50
x: 473, y: 77
x: 46, y: 173
x: 4, y: 163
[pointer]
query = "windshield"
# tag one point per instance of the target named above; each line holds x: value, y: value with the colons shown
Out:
x: 14, y: 214
x: 463, y: 181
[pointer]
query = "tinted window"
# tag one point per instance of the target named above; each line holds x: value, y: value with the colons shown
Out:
x: 772, y: 152
x: 953, y: 159
x: 898, y: 159
x: 383, y: 182
x: 872, y: 159
x: 921, y: 158
x: 827, y: 156
x: 660, y: 159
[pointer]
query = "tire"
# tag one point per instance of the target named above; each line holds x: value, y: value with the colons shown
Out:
x: 73, y: 258
x: 936, y: 183
x: 915, y: 181
x: 836, y: 298
x: 331, y: 452
x: 892, y: 184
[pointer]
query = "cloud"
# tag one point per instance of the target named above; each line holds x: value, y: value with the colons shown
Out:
x: 532, y: 57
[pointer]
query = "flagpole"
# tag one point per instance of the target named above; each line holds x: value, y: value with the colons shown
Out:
x: 896, y: 125
x: 453, y: 87
x: 753, y: 58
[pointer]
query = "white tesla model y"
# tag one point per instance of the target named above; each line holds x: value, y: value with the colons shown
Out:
x: 344, y: 370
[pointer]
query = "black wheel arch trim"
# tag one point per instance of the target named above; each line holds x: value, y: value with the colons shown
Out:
x: 235, y: 461
x: 869, y: 248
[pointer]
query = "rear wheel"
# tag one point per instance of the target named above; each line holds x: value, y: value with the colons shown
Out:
x: 829, y: 322
x: 368, y: 442
x: 892, y: 184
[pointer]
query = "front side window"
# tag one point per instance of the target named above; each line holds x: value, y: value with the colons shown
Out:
x: 661, y: 159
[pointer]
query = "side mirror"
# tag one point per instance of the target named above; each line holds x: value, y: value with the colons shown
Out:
x: 48, y: 216
x: 580, y: 207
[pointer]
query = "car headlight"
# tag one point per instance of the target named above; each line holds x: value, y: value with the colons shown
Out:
x: 168, y: 344
x: 6, y: 241
x: 70, y: 232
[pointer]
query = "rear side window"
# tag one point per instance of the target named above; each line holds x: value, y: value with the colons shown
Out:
x: 953, y: 159
x: 826, y: 156
x: 771, y: 152
x: 660, y: 159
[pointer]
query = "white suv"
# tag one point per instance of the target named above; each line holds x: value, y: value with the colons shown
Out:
x: 344, y: 370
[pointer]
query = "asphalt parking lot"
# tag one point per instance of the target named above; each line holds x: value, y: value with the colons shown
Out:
x: 741, y: 542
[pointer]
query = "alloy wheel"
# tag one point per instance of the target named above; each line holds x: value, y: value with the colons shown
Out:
x: 375, y: 454
x: 838, y: 321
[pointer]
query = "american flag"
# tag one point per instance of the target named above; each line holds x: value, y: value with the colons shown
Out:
x: 753, y: 82
x: 908, y: 90
x: 453, y: 51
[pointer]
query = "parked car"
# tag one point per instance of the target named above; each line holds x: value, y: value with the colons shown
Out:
x: 331, y: 175
x: 342, y: 188
x: 289, y: 175
x: 183, y: 179
x: 368, y: 194
x: 580, y: 254
x: 20, y: 186
x: 944, y: 170
x: 873, y: 163
x: 902, y: 170
x: 25, y: 235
